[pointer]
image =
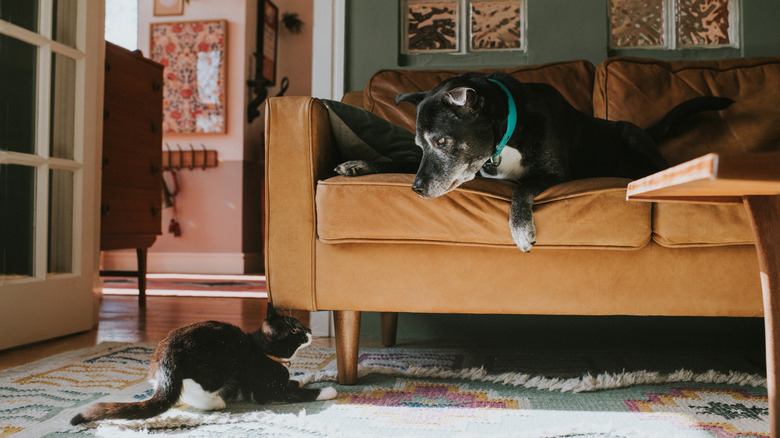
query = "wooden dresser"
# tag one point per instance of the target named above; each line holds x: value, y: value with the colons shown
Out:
x: 131, y: 202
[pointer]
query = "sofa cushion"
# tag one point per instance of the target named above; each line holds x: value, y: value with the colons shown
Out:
x: 693, y: 225
x: 362, y: 135
x: 383, y: 208
x: 574, y: 79
x: 643, y: 90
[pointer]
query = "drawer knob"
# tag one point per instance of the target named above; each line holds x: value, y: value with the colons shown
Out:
x: 106, y: 114
x: 105, y: 209
x: 105, y: 161
x: 156, y: 86
x: 155, y: 210
x: 155, y: 169
x: 155, y: 128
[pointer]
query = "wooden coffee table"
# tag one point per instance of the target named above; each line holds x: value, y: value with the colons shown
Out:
x: 753, y: 180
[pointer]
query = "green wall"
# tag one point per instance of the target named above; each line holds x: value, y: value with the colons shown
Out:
x: 558, y: 30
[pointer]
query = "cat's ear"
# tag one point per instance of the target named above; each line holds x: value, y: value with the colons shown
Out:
x: 266, y: 327
x: 268, y: 330
x: 270, y: 311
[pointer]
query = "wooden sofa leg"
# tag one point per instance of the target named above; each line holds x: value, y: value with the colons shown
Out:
x: 389, y: 321
x: 347, y: 339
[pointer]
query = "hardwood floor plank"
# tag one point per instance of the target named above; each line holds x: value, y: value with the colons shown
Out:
x: 122, y: 320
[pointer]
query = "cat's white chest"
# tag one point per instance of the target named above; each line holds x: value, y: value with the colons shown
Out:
x: 511, y: 166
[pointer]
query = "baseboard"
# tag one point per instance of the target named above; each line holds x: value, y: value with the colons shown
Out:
x: 183, y: 262
x: 321, y: 324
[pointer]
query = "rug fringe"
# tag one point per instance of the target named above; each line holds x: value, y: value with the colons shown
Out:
x: 586, y: 383
x: 255, y: 420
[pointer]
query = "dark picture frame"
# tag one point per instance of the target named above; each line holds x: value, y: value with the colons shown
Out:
x: 267, y: 41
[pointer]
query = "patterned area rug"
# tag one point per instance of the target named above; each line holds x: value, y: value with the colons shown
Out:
x: 401, y: 392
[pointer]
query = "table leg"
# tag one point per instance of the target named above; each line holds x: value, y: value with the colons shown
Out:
x: 764, y: 212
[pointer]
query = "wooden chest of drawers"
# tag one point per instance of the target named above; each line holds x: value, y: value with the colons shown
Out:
x: 131, y: 200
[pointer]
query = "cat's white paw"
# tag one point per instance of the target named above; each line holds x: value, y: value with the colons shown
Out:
x: 328, y: 393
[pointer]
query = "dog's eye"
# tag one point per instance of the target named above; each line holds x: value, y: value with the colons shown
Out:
x: 440, y: 141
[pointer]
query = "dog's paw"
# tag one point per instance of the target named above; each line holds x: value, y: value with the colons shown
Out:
x: 524, y: 235
x: 354, y: 168
x: 328, y: 393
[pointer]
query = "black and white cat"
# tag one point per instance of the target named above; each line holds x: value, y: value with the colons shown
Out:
x: 209, y: 363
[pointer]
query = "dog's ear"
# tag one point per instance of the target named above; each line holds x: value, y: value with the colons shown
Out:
x: 414, y: 98
x: 463, y: 97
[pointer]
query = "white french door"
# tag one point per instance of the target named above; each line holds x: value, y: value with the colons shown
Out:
x: 51, y: 54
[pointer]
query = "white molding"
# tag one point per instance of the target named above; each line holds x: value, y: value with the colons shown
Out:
x: 179, y: 262
x: 321, y: 324
x: 328, y: 49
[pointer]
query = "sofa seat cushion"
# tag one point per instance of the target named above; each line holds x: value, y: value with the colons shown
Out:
x: 694, y: 225
x: 383, y: 208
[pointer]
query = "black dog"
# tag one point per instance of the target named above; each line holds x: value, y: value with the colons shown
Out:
x: 527, y: 132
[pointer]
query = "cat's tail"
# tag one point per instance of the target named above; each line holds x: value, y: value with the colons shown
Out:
x: 165, y: 396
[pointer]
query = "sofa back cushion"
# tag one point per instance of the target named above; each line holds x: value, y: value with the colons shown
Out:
x: 643, y: 90
x: 574, y: 79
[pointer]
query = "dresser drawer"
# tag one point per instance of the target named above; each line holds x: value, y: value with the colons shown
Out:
x: 139, y: 122
x: 128, y: 210
x: 129, y: 76
x: 138, y: 168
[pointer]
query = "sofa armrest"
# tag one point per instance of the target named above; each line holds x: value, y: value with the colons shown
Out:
x: 299, y: 151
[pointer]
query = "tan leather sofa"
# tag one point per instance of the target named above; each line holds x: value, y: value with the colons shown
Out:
x: 371, y: 244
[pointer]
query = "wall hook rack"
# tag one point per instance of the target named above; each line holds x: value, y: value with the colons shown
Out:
x: 189, y: 159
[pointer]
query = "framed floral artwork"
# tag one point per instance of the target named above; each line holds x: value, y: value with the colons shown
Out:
x: 195, y: 60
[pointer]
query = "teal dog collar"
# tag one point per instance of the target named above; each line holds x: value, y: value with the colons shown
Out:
x: 511, y: 122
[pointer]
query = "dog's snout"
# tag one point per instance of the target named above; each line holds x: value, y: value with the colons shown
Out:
x: 418, y: 187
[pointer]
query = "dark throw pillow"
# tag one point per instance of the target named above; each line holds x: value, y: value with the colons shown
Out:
x: 362, y: 135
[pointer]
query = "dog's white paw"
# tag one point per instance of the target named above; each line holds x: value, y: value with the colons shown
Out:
x: 328, y: 393
x: 524, y: 235
x: 354, y: 168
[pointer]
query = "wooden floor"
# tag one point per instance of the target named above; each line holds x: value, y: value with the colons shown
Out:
x: 122, y: 320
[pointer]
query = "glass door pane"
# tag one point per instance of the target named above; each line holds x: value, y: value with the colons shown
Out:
x: 17, y: 219
x: 60, y: 221
x: 18, y: 81
x: 63, y: 106
x: 65, y: 22
x: 22, y: 13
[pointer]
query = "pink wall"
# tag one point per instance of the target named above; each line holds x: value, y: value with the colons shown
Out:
x: 218, y: 208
